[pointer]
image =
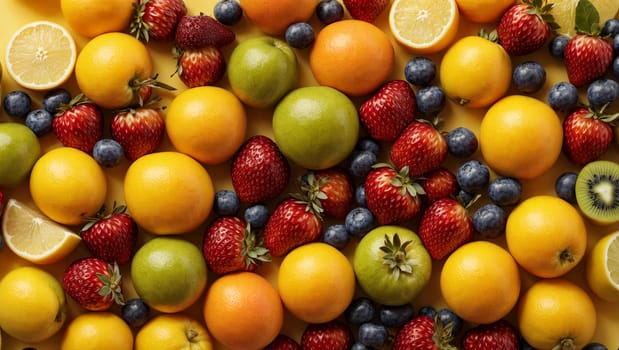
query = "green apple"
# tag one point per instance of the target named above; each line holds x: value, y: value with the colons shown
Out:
x: 19, y: 150
x: 316, y: 127
x: 169, y: 274
x: 262, y: 70
x: 392, y: 265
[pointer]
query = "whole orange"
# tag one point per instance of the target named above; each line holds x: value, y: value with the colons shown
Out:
x: 90, y: 18
x: 274, y: 16
x: 353, y: 56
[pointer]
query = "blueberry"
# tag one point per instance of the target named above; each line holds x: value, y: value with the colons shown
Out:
x: 227, y: 203
x: 300, y: 35
x: 395, y: 316
x: 1, y: 243
x: 257, y: 215
x: 602, y: 92
x: 473, y: 176
x: 489, y: 220
x: 461, y: 142
x: 563, y: 97
x: 465, y: 197
x: 228, y: 12
x: 595, y: 346
x: 565, y: 187
x: 448, y: 317
x: 427, y: 310
x: 360, y: 195
x: 557, y: 46
x: 430, y: 100
x: 39, y: 121
x: 616, y: 44
x: 361, y: 163
x: 610, y: 27
x: 368, y: 144
x: 54, y: 98
x: 616, y: 66
x: 359, y: 346
x: 504, y: 191
x: 107, y: 152
x: 135, y: 312
x: 529, y: 76
x: 420, y: 71
x: 360, y: 310
x: 17, y: 104
x: 372, y: 334
x: 336, y: 235
x: 329, y: 11
x: 359, y: 221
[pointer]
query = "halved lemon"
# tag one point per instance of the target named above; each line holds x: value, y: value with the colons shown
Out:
x: 424, y: 26
x: 564, y: 13
x: 41, y: 55
x: 34, y: 237
x: 602, y: 269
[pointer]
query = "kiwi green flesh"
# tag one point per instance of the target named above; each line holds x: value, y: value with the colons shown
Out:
x: 597, y: 191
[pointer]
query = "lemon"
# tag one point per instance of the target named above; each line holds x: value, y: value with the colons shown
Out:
x: 424, y: 26
x: 97, y: 330
x: 173, y: 332
x: 41, y: 55
x: 90, y: 18
x: 564, y: 13
x: 602, y: 268
x: 483, y: 11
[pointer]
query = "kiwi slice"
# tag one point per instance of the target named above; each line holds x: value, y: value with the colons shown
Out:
x: 597, y: 191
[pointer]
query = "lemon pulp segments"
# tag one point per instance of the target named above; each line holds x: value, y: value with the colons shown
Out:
x: 612, y: 261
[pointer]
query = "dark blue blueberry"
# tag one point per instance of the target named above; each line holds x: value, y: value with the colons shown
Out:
x: 1, y: 242
x: 17, y: 104
x: 372, y: 334
x: 473, y: 176
x: 420, y: 71
x: 557, y: 46
x: 616, y: 44
x: 565, y: 186
x: 529, y: 77
x: 360, y: 195
x: 461, y: 142
x: 359, y: 346
x: 54, y: 98
x: 489, y: 220
x: 368, y: 144
x: 227, y: 203
x: 39, y: 121
x: 228, y: 12
x: 465, y: 197
x: 360, y: 310
x: 594, y: 346
x: 427, y: 310
x: 563, y: 97
x: 616, y: 66
x: 505, y: 191
x: 300, y: 35
x: 396, y: 316
x: 610, y: 27
x: 336, y: 235
x: 135, y: 312
x: 602, y: 92
x: 359, y: 221
x: 430, y: 100
x: 329, y: 11
x: 257, y: 215
x: 361, y: 163
x: 446, y: 316
x: 108, y: 152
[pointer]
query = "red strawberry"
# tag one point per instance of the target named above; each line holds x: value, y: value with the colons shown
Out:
x: 389, y: 110
x: 93, y: 283
x: 195, y: 32
x: 332, y: 335
x: 586, y: 136
x: 79, y: 124
x: 366, y: 10
x: 439, y: 183
x: 420, y: 147
x: 525, y: 27
x: 230, y: 245
x: 139, y: 131
x: 393, y: 197
x: 200, y: 67
x: 292, y: 223
x: 445, y: 225
x: 156, y: 19
x: 423, y: 333
x: 333, y: 189
x: 283, y: 342
x: 111, y: 237
x: 497, y: 335
x: 260, y: 172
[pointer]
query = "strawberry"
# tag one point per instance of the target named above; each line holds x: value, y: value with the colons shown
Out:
x: 283, y: 342
x: 259, y: 171
x: 386, y: 113
x: 423, y: 333
x: 445, y: 225
x: 420, y: 147
x: 78, y: 124
x: 586, y: 135
x: 293, y: 223
x: 138, y: 130
x: 366, y: 10
x: 111, y: 237
x: 156, y: 19
x: 195, y: 32
x: 199, y: 67
x: 525, y: 27
x: 497, y: 335
x: 393, y: 197
x: 93, y: 283
x: 230, y: 245
x: 439, y: 183
x: 332, y: 188
x: 332, y: 335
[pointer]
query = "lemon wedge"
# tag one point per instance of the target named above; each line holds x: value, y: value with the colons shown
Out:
x: 602, y: 269
x: 564, y: 13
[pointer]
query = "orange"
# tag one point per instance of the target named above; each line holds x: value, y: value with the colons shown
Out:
x: 90, y: 18
x: 527, y: 122
x: 93, y: 330
x: 207, y: 123
x: 327, y: 279
x: 168, y: 192
x: 173, y: 332
x: 243, y: 310
x: 483, y: 11
x: 274, y: 16
x: 480, y: 282
x: 353, y: 56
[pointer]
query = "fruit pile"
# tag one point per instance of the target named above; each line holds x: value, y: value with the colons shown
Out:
x: 311, y: 174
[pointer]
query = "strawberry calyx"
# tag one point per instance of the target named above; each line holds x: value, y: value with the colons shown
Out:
x: 403, y: 180
x: 542, y: 10
x: 137, y: 85
x: 78, y: 99
x: 587, y: 19
x: 396, y: 256
x: 112, y: 284
x: 492, y: 35
x: 443, y: 336
x: 138, y: 27
x: 253, y: 249
x: 311, y: 194
x: 600, y: 115
x: 102, y: 215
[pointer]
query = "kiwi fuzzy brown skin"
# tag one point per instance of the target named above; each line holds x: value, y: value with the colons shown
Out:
x: 597, y: 192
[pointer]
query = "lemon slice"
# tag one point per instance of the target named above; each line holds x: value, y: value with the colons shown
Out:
x: 602, y: 269
x: 41, y: 55
x: 564, y: 13
x: 424, y: 26
x: 33, y: 237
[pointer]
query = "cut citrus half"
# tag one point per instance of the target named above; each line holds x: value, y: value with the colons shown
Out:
x: 41, y: 55
x: 34, y: 237
x: 602, y: 269
x: 564, y: 13
x: 424, y: 26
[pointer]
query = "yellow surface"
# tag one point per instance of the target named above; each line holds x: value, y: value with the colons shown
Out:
x: 16, y: 13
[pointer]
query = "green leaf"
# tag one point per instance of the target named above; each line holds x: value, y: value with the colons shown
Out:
x: 587, y: 19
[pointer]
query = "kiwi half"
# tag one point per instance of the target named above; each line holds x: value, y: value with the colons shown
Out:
x: 597, y: 191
